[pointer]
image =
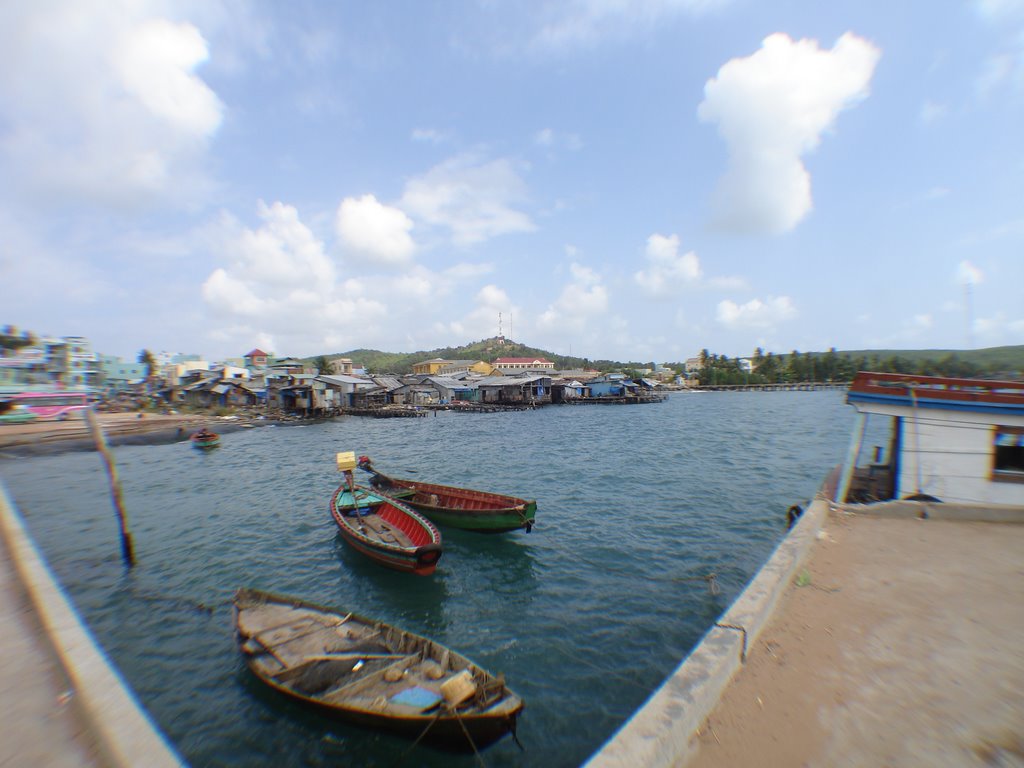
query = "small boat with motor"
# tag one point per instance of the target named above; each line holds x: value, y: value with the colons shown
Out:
x: 383, y: 528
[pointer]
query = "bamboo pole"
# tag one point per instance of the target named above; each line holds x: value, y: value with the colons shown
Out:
x: 127, y: 549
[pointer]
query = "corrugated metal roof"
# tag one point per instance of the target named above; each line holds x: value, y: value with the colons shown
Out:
x: 341, y: 378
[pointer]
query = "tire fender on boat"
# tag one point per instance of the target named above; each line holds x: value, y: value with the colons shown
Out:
x: 428, y: 554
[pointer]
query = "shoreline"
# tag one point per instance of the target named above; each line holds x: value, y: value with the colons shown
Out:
x: 47, y: 438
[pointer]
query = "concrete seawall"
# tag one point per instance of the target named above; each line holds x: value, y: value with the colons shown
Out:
x: 660, y: 734
x: 114, y: 724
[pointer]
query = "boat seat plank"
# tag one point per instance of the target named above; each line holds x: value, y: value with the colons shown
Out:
x: 353, y: 688
x: 386, y: 533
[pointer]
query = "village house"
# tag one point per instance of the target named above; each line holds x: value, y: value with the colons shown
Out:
x: 257, y: 358
x: 436, y: 390
x: 515, y: 389
x: 341, y: 366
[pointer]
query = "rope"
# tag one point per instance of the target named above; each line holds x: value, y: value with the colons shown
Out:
x: 411, y: 747
x: 469, y: 738
x: 743, y: 649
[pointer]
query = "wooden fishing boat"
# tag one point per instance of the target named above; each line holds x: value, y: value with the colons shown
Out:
x: 204, y: 439
x: 479, y: 511
x: 371, y: 673
x: 384, y: 528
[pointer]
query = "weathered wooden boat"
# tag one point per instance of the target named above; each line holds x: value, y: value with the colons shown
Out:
x: 479, y: 511
x: 371, y: 673
x: 204, y: 439
x: 384, y: 528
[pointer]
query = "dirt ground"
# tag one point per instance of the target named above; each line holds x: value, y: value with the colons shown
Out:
x: 900, y: 644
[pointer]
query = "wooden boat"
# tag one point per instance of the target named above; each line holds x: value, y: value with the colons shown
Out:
x: 371, y: 673
x: 384, y: 528
x: 479, y: 511
x: 204, y: 439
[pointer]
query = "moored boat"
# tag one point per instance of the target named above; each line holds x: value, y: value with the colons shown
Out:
x: 371, y: 673
x: 447, y: 505
x: 383, y: 528
x: 949, y: 439
x: 204, y: 439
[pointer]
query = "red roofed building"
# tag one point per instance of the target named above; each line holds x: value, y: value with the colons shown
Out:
x: 256, y: 359
x: 524, y: 364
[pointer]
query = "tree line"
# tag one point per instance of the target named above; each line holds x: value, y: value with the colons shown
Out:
x: 828, y: 366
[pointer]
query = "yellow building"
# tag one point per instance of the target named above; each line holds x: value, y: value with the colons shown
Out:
x: 430, y: 367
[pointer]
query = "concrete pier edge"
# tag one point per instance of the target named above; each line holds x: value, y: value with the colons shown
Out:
x: 661, y: 733
x: 123, y: 730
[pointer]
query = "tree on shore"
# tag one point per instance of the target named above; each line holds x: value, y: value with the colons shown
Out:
x: 323, y: 365
x: 148, y: 359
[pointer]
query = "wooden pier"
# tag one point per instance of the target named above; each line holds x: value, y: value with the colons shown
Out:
x: 800, y: 386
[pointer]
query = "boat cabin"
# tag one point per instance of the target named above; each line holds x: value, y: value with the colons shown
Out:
x: 934, y: 438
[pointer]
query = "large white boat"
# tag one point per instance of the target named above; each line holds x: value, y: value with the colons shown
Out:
x: 951, y: 440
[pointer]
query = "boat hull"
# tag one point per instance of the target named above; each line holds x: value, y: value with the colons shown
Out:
x: 484, y: 722
x: 502, y: 520
x: 420, y: 548
x: 205, y: 444
x: 454, y: 507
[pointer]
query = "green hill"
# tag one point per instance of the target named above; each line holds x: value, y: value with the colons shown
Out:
x: 994, y: 361
x: 376, y: 361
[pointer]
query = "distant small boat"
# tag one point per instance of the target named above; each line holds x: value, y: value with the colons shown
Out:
x: 371, y: 673
x: 383, y: 528
x: 479, y: 511
x: 204, y: 439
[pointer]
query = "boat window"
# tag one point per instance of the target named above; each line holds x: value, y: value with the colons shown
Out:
x: 1009, y: 455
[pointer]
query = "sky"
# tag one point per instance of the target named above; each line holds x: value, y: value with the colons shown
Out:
x: 628, y: 180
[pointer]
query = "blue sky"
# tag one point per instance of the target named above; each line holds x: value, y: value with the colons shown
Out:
x: 625, y: 180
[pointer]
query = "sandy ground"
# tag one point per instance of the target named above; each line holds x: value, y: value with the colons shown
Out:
x: 900, y: 644
x: 120, y: 428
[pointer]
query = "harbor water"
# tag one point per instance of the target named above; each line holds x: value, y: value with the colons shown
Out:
x: 585, y: 615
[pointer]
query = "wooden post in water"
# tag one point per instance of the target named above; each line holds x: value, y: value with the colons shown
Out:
x: 127, y: 550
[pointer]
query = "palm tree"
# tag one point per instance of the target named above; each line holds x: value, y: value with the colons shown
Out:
x: 148, y: 359
x: 323, y: 365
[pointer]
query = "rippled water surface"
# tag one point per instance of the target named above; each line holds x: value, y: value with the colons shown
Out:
x: 585, y: 615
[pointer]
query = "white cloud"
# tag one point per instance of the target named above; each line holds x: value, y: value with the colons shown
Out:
x: 756, y: 313
x: 582, y: 298
x: 429, y: 135
x: 102, y: 102
x: 550, y: 139
x: 668, y: 270
x: 968, y: 274
x: 156, y: 64
x: 473, y: 199
x: 1006, y: 66
x: 376, y: 231
x: 931, y: 112
x: 281, y: 282
x: 586, y: 23
x: 772, y: 108
x: 482, y: 321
